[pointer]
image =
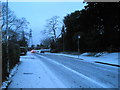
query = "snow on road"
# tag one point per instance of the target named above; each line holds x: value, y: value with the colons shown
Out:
x: 32, y: 73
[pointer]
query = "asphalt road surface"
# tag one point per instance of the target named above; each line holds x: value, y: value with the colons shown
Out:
x: 75, y: 73
x: 80, y: 74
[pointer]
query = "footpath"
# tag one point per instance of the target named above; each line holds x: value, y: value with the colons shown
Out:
x: 31, y: 73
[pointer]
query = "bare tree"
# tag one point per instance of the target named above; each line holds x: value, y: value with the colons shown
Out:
x: 16, y: 26
x: 47, y: 42
x: 52, y: 26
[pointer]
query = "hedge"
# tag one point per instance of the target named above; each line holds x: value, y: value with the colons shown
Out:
x: 13, y: 56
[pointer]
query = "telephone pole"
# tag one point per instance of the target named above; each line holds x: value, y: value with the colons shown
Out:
x: 7, y: 37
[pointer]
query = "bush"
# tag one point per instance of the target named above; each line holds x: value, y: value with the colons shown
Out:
x: 13, y: 55
x: 4, y: 62
x: 23, y: 50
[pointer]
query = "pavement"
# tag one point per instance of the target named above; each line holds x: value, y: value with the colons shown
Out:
x: 32, y: 73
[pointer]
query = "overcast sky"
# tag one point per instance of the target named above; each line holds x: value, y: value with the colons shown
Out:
x: 38, y: 12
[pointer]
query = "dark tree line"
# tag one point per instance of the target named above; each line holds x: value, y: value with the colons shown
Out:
x: 98, y: 25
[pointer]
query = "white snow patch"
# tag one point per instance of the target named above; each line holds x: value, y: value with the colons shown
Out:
x: 12, y: 72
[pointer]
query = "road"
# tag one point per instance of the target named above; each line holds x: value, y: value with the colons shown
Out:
x: 55, y: 71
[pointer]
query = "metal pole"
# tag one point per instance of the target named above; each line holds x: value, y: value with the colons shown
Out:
x: 7, y: 37
x: 78, y: 46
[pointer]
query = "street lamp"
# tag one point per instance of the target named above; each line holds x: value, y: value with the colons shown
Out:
x: 78, y: 45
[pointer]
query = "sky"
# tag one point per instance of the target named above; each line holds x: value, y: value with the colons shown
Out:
x: 38, y: 12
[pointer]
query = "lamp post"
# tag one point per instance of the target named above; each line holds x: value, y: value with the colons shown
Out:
x: 78, y: 46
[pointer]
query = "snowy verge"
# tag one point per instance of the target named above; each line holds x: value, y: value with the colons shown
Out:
x: 34, y: 73
x: 6, y: 83
x: 111, y: 58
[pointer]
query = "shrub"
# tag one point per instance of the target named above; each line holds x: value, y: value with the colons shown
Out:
x: 13, y: 55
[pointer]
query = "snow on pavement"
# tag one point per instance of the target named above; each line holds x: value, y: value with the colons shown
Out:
x: 32, y: 73
x: 12, y: 73
x: 111, y: 58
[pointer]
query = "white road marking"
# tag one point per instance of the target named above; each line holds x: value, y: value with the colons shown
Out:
x: 79, y: 74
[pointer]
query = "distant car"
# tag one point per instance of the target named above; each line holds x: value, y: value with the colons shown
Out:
x: 23, y: 50
x: 44, y: 50
x: 38, y: 51
x: 32, y: 51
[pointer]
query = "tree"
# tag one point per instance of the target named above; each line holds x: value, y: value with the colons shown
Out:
x: 32, y: 46
x: 99, y: 24
x: 47, y: 42
x: 37, y: 46
x: 52, y: 26
x: 16, y: 27
x: 23, y: 40
x: 107, y: 24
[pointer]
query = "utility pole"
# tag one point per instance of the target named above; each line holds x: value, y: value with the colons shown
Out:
x: 0, y: 45
x: 7, y: 37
